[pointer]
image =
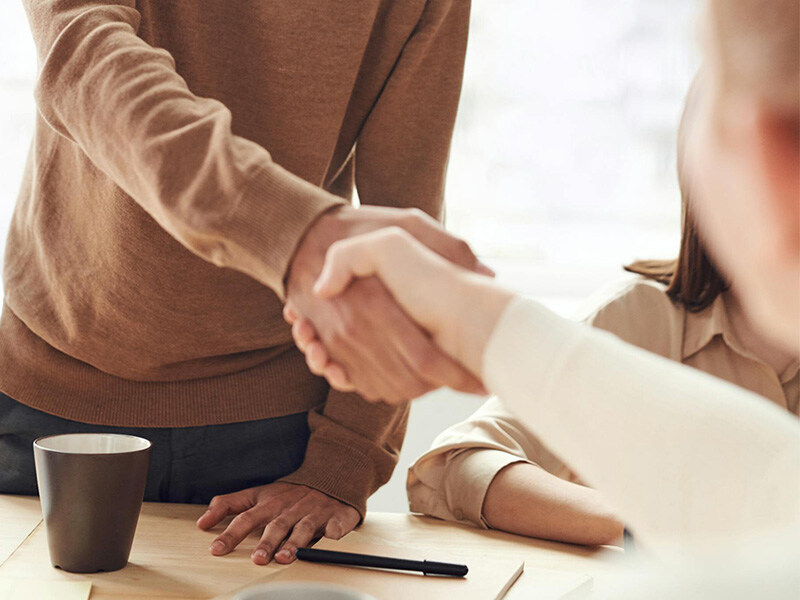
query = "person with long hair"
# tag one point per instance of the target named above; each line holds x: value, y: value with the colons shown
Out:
x: 705, y: 473
x: 490, y: 471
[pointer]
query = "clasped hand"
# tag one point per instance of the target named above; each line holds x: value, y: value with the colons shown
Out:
x: 373, y: 345
x: 362, y: 340
x: 456, y: 308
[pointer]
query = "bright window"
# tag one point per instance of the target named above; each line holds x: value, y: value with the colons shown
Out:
x: 563, y: 160
x: 562, y: 165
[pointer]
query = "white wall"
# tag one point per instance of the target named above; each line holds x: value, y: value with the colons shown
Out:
x: 17, y: 71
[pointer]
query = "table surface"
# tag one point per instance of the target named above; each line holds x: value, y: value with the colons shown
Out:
x: 170, y: 557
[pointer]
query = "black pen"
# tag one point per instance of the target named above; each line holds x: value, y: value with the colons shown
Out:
x: 380, y: 562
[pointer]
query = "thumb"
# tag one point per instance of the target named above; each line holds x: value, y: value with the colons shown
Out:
x: 334, y: 278
x: 346, y: 260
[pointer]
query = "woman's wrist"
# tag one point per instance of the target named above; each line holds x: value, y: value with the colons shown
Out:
x: 479, y: 304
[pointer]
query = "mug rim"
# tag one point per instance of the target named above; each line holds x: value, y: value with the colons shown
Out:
x: 147, y: 444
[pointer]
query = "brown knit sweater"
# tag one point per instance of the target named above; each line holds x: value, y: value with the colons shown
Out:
x: 182, y: 148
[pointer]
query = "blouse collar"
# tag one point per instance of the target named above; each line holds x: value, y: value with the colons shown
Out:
x: 702, y: 327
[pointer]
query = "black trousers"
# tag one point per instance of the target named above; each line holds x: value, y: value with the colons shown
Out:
x: 188, y: 464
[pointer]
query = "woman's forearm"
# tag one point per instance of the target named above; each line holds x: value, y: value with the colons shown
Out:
x: 527, y: 500
x: 680, y: 455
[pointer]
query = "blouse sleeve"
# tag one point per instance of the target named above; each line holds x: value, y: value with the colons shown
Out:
x: 450, y: 481
x: 681, y: 456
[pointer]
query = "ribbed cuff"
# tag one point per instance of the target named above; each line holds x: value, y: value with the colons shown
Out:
x: 273, y: 213
x: 340, y: 472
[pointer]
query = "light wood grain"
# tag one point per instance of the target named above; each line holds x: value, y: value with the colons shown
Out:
x: 19, y: 516
x: 488, y: 578
x: 170, y: 557
x: 601, y: 564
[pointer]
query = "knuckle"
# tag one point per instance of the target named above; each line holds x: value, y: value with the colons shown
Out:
x: 394, y: 234
x: 415, y: 216
x: 282, y: 522
x: 305, y: 528
x: 369, y: 395
x: 244, y: 520
x: 270, y: 505
x: 463, y: 249
x: 218, y: 502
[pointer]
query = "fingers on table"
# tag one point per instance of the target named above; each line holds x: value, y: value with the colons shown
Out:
x: 224, y: 505
x: 297, y: 526
x: 303, y: 532
x: 245, y: 523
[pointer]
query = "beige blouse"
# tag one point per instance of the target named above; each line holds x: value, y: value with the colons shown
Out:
x: 450, y: 480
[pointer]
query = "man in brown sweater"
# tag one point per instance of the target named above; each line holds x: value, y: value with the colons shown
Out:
x: 191, y: 163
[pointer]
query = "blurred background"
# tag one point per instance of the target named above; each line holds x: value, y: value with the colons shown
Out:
x: 563, y: 160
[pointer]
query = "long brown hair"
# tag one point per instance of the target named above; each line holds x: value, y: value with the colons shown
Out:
x: 692, y: 279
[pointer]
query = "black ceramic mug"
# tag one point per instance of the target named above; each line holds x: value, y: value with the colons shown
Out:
x: 91, y: 486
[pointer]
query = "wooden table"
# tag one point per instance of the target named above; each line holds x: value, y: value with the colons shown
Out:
x: 170, y: 557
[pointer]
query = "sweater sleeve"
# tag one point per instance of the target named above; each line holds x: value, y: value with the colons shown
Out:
x: 681, y: 455
x: 401, y: 161
x: 403, y: 149
x: 123, y: 103
x: 353, y: 448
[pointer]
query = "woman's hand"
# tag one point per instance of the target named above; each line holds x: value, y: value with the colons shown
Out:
x: 459, y: 309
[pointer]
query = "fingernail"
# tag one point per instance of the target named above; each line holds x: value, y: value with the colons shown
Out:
x: 217, y: 547
x: 284, y: 554
x: 260, y: 554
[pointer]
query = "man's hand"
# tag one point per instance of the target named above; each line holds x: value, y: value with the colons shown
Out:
x: 385, y: 354
x: 291, y: 516
x: 456, y: 307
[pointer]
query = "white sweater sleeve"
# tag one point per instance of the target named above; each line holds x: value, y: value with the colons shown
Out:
x: 681, y: 455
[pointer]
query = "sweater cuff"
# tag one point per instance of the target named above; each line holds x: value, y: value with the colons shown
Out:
x: 468, y: 478
x: 273, y: 213
x: 340, y: 472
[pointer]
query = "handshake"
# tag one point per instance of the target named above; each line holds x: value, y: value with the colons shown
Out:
x: 386, y: 303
